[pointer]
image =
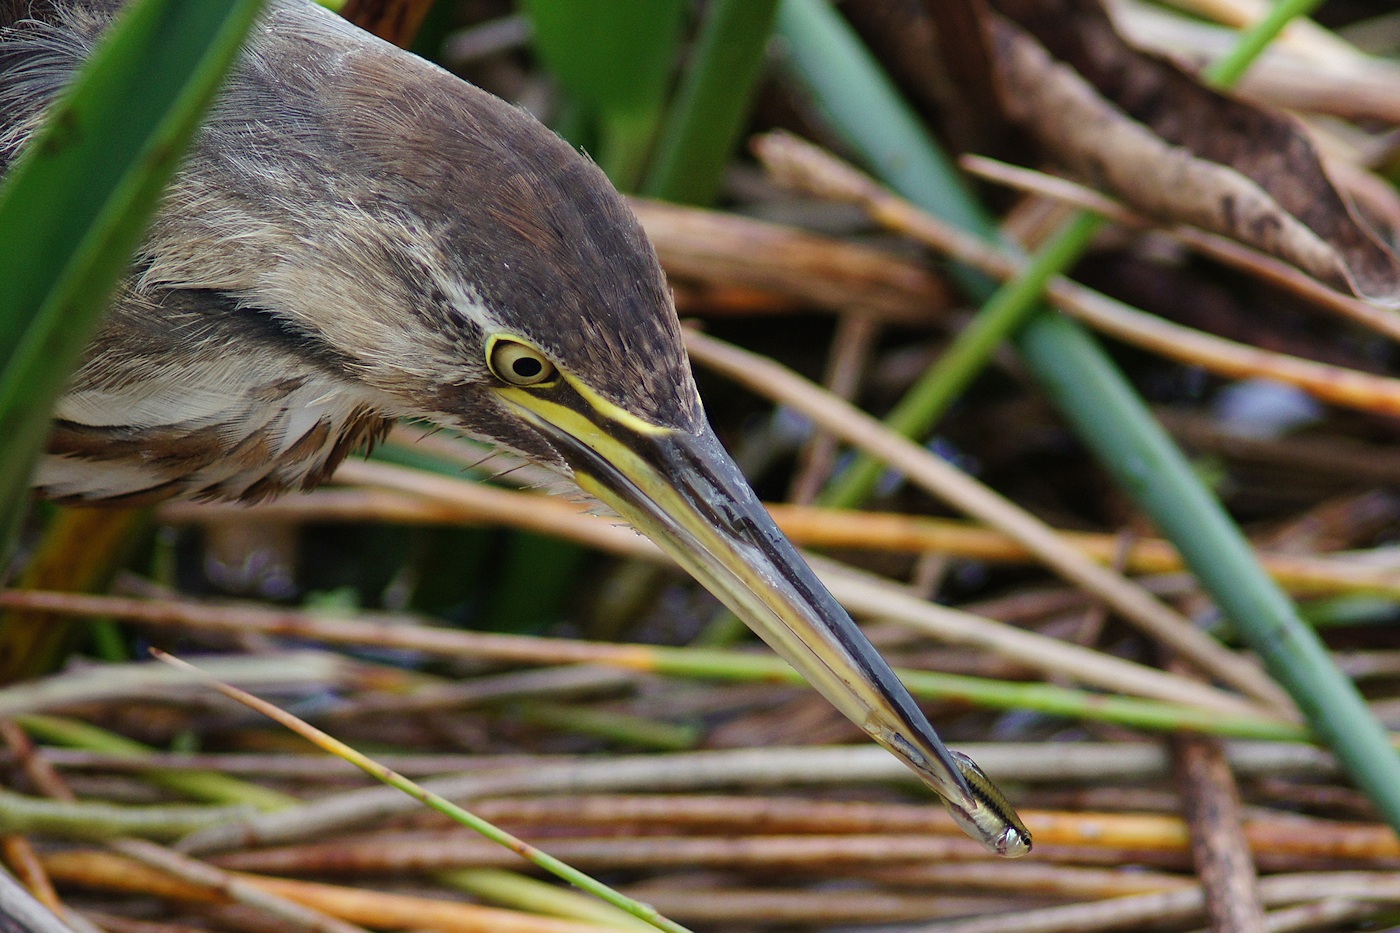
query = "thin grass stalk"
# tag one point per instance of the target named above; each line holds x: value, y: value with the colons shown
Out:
x: 713, y: 99
x: 1116, y: 424
x: 436, y: 802
x: 1029, y: 762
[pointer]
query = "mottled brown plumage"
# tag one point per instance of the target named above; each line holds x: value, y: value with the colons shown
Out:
x: 350, y: 223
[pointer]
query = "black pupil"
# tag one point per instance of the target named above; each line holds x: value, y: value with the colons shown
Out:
x: 527, y: 368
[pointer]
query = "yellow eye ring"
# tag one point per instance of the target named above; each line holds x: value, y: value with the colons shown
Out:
x: 519, y: 364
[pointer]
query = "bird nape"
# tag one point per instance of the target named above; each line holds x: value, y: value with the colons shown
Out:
x: 358, y: 236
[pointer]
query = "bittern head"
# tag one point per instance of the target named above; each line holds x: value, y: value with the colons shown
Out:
x: 432, y: 252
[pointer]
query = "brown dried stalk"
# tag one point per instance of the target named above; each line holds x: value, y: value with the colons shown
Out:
x: 807, y: 526
x: 723, y: 250
x: 369, y: 908
x: 803, y: 165
x: 1135, y: 604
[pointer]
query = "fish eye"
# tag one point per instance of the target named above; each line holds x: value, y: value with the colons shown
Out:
x: 519, y: 364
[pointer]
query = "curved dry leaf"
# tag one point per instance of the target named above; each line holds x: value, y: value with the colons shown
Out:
x: 1139, y: 126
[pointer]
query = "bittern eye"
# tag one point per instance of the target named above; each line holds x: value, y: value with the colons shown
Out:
x: 519, y: 364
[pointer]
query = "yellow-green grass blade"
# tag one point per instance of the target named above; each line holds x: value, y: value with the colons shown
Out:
x: 433, y: 801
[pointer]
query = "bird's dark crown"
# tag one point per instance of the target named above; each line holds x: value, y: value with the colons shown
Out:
x: 398, y: 215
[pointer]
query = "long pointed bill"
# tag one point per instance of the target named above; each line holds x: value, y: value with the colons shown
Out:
x: 686, y: 494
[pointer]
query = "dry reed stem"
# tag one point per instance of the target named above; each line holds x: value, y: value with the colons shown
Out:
x: 18, y: 906
x: 812, y: 169
x: 807, y: 526
x: 572, y: 681
x: 1028, y: 762
x: 368, y: 908
x: 1285, y: 834
x: 296, y: 915
x: 1066, y: 881
x: 562, y: 518
x: 433, y: 851
x: 1078, y: 837
x: 1317, y: 915
x: 728, y: 907
x: 1127, y: 913
x: 1382, y: 320
x: 847, y: 358
x: 104, y: 922
x: 1219, y: 848
x: 23, y: 861
x: 726, y: 250
x: 1334, y: 384
x: 152, y: 680
x: 937, y: 476
x: 653, y: 774
x: 861, y: 593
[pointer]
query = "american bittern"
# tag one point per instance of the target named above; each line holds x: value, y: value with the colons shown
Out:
x: 358, y: 236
